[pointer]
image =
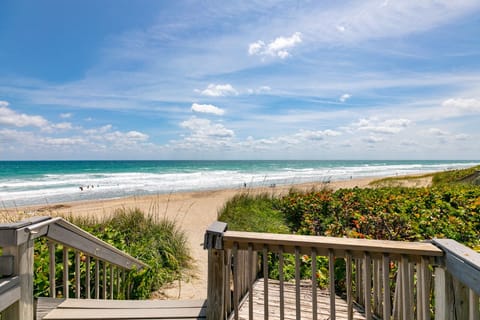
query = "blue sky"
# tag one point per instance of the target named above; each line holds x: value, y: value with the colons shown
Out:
x: 239, y: 79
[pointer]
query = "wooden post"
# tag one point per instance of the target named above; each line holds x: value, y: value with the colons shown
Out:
x: 444, y: 304
x: 16, y: 240
x: 215, y: 286
x: 461, y: 299
x: 23, y: 267
x: 216, y: 273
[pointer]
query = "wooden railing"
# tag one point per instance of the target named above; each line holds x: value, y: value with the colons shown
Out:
x: 384, y: 279
x: 104, y: 267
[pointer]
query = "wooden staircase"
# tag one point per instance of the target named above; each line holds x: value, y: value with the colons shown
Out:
x: 83, y: 309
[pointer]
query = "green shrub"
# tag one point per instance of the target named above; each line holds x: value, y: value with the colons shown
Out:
x: 257, y: 213
x: 447, y: 210
x: 159, y: 244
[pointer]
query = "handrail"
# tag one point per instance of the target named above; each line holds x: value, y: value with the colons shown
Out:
x: 66, y: 233
x: 389, y: 279
x: 16, y: 241
x: 340, y: 245
x: 457, y: 282
x: 9, y: 291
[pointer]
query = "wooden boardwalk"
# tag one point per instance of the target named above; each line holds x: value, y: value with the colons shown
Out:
x: 323, y: 301
x: 83, y: 309
x: 70, y: 309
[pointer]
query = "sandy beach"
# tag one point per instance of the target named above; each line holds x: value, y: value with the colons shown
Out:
x: 193, y: 212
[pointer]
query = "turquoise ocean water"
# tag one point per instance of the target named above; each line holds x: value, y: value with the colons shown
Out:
x: 49, y: 182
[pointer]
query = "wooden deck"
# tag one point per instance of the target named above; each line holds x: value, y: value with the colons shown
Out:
x: 70, y: 309
x: 61, y: 309
x: 323, y: 300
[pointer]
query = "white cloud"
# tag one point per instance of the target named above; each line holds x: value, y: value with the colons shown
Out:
x: 73, y: 141
x: 460, y: 106
x: 65, y: 115
x: 462, y: 137
x: 204, y: 135
x: 438, y: 132
x: 137, y: 136
x: 316, y: 135
x: 259, y: 90
x: 277, y: 48
x: 207, y: 108
x: 256, y: 47
x: 204, y: 128
x: 219, y: 90
x: 373, y: 139
x: 344, y: 97
x: 389, y: 126
x: 12, y: 118
x: 62, y: 126
x: 99, y: 131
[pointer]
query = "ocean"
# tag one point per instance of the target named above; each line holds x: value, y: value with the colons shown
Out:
x: 49, y: 182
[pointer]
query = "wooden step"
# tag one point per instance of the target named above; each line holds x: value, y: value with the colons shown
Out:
x: 80, y: 309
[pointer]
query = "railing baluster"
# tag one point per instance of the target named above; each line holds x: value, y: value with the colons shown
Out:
x: 250, y: 281
x: 52, y: 269
x: 314, y: 284
x: 87, y: 277
x: 125, y: 288
x: 65, y: 273
x: 331, y: 276
x: 377, y: 289
x: 282, y: 284
x: 367, y: 278
x: 422, y: 300
x: 228, y: 271
x: 265, y: 282
x: 104, y: 280
x: 111, y: 281
x: 407, y: 303
x: 97, y: 278
x: 386, y: 286
x: 297, y: 283
x: 349, y: 284
x: 474, y: 313
x: 359, y: 265
x: 77, y: 274
x: 236, y: 295
x: 397, y: 297
x: 118, y: 270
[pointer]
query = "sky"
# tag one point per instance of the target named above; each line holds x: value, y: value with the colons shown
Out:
x: 222, y: 79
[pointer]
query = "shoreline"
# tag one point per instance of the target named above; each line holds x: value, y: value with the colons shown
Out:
x: 193, y: 212
x: 108, y: 206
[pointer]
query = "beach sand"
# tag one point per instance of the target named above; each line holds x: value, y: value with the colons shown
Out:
x: 193, y: 212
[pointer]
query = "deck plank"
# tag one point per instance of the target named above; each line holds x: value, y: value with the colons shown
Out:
x: 323, y: 303
x: 129, y: 304
x: 83, y: 309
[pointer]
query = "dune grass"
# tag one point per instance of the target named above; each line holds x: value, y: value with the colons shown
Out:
x: 157, y: 242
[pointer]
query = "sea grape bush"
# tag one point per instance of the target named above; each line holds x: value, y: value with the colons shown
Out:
x: 394, y: 213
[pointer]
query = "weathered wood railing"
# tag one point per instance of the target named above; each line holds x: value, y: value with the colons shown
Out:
x: 386, y: 279
x: 104, y: 265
